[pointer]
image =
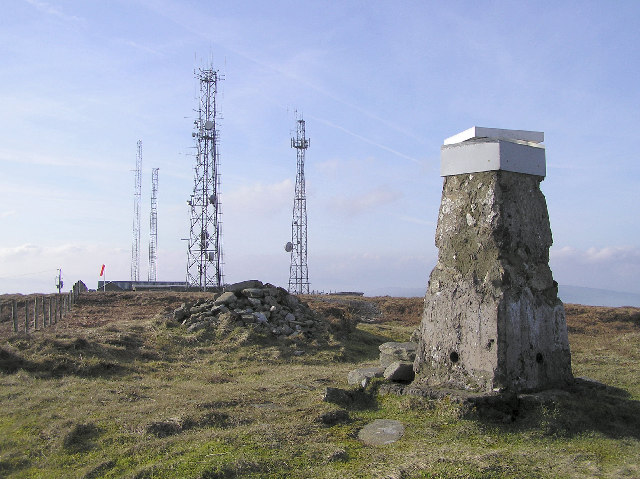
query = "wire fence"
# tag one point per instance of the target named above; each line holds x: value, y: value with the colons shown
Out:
x: 38, y: 312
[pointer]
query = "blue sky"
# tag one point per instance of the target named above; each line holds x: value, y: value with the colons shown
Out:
x: 380, y: 85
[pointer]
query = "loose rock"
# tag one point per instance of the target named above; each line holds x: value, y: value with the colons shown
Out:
x: 381, y: 432
x: 399, y: 371
x: 262, y: 307
x: 392, y: 351
x: 357, y: 376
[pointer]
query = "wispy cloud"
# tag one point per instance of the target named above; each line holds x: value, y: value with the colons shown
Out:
x: 289, y: 68
x: 18, y: 252
x: 612, y: 267
x: 607, y: 254
x: 367, y: 140
x: 142, y: 48
x: 31, y: 251
x: 39, y: 159
x: 418, y: 221
x: 53, y: 10
x: 259, y: 199
x: 347, y: 167
x: 358, y: 204
x: 6, y: 214
x: 40, y: 262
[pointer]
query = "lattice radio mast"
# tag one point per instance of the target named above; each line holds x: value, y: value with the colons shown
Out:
x: 153, y: 225
x: 137, y: 193
x: 298, y: 271
x: 204, y: 255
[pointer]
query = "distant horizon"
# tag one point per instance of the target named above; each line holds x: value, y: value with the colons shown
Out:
x: 569, y: 294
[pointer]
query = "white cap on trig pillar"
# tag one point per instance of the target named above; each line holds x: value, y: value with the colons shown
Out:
x: 488, y: 149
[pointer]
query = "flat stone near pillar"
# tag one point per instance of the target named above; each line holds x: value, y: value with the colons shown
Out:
x: 492, y: 318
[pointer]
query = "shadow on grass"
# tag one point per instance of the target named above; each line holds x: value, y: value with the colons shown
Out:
x: 81, y: 437
x: 55, y: 358
x: 584, y: 408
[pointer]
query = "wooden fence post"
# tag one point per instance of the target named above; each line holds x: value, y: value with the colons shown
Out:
x: 14, y: 315
x: 26, y: 316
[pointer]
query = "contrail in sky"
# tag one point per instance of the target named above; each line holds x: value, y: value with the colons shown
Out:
x: 366, y: 140
x: 269, y: 66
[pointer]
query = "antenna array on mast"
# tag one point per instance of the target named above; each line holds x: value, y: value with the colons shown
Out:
x: 204, y: 255
x: 298, y: 271
x: 153, y: 226
x: 137, y: 193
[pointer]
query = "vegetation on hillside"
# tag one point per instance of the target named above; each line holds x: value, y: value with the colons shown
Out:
x: 119, y: 389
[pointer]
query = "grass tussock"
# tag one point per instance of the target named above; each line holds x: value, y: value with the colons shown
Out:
x: 121, y: 390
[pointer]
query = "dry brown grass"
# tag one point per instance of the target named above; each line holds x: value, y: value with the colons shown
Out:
x: 117, y: 390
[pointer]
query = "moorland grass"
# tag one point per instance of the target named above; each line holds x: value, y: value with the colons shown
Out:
x: 142, y: 398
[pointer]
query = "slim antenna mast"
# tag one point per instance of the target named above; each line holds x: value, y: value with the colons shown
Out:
x: 137, y: 193
x: 153, y: 225
x: 204, y: 255
x: 59, y: 282
x: 298, y: 271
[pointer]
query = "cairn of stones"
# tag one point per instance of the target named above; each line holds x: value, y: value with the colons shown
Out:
x: 492, y: 318
x: 263, y: 308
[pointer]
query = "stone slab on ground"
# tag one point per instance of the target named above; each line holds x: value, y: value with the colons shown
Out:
x: 399, y: 371
x: 358, y: 375
x: 381, y: 432
x: 393, y: 351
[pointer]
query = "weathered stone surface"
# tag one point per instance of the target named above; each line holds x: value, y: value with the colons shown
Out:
x: 381, y: 432
x: 399, y: 371
x: 255, y: 302
x: 262, y: 308
x: 358, y: 375
x: 181, y: 313
x: 260, y: 317
x: 392, y: 351
x: 237, y: 287
x: 226, y: 298
x: 492, y: 317
x: 253, y: 292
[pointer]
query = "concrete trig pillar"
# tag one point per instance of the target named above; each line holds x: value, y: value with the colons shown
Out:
x: 492, y: 318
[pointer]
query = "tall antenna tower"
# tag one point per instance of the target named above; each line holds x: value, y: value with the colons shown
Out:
x: 204, y: 255
x: 153, y: 225
x: 298, y: 271
x: 137, y: 193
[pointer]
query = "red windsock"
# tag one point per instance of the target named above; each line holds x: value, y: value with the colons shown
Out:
x: 102, y: 270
